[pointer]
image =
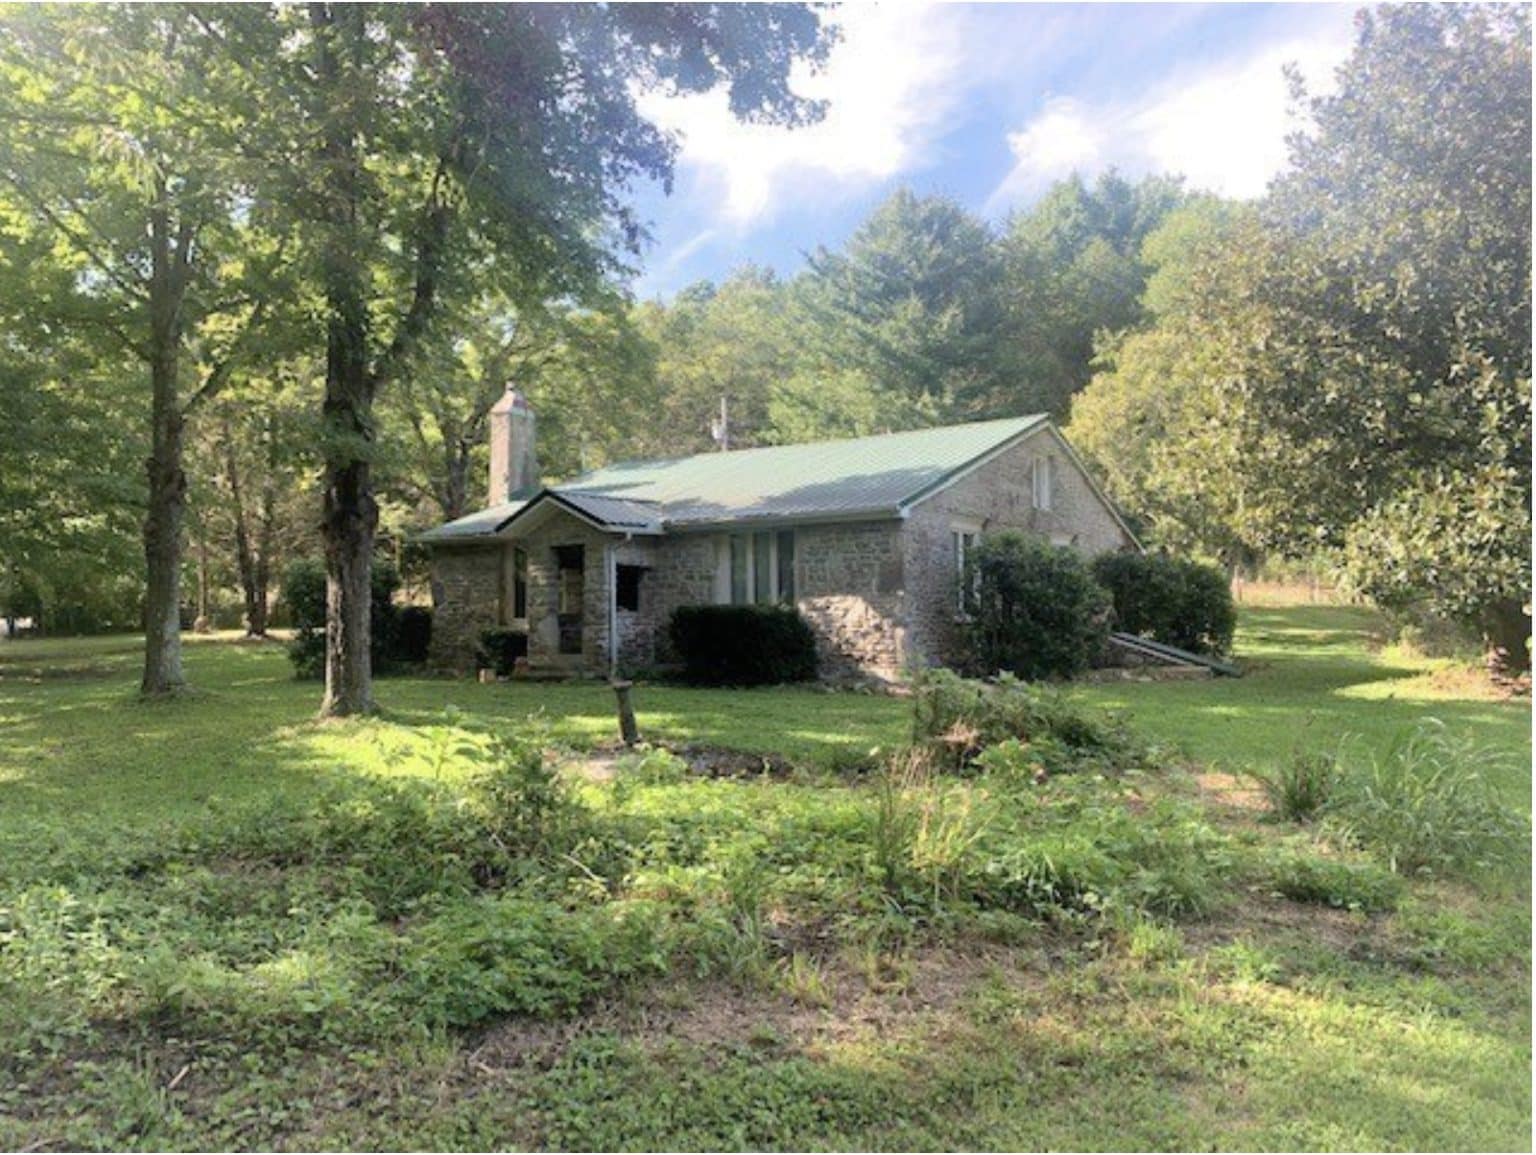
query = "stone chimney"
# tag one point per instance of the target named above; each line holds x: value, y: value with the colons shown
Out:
x: 514, y: 463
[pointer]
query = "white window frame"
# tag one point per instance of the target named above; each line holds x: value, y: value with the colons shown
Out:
x: 959, y: 532
x: 1043, y: 482
x: 723, y: 575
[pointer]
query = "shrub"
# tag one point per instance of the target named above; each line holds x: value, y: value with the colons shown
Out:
x: 1032, y: 609
x: 413, y: 636
x: 1300, y: 789
x: 743, y: 645
x: 956, y: 718
x: 1170, y: 600
x: 500, y: 649
x: 304, y: 592
x: 1422, y: 806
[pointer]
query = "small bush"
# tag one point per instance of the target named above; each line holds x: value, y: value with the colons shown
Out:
x: 1180, y: 603
x: 306, y: 651
x: 956, y: 718
x: 1032, y: 609
x: 304, y: 593
x: 500, y: 649
x: 1300, y: 789
x: 743, y: 645
x: 1422, y: 806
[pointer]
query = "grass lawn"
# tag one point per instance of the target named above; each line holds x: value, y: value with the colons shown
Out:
x: 223, y: 924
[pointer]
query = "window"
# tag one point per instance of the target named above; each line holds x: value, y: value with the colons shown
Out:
x: 762, y: 568
x: 514, y: 587
x: 964, y: 541
x: 1044, y: 482
x: 626, y: 582
x: 786, y: 552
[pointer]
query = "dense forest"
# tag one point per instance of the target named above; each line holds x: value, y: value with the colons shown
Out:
x: 1338, y: 371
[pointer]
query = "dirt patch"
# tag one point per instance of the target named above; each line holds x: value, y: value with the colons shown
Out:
x: 601, y: 764
x: 909, y: 992
x: 1231, y: 792
x: 1262, y: 916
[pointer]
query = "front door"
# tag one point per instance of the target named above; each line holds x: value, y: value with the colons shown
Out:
x: 571, y: 575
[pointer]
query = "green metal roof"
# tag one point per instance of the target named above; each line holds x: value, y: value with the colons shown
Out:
x: 857, y: 477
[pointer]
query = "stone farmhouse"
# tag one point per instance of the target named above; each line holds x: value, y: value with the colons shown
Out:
x: 864, y: 536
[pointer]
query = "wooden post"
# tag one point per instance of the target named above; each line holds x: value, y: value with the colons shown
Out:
x: 627, y: 728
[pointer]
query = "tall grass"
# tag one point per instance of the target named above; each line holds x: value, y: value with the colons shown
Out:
x: 1425, y: 804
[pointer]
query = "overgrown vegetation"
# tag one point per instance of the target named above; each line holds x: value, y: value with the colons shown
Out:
x: 446, y: 929
x: 399, y: 635
x: 956, y: 719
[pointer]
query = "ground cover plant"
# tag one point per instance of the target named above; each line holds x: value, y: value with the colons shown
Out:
x: 469, y: 924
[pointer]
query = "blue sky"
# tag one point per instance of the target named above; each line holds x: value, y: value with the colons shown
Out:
x: 986, y: 103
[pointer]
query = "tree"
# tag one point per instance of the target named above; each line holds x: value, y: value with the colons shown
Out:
x: 585, y: 371
x: 737, y: 341
x: 911, y: 303
x: 1158, y: 420
x: 1073, y: 269
x: 120, y: 140
x: 1405, y: 261
x: 443, y: 146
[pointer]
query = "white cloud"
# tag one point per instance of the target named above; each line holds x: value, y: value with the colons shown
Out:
x: 889, y: 84
x: 1224, y: 128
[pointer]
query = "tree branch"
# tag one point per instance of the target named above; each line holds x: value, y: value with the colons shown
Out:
x: 218, y: 376
x: 429, y: 256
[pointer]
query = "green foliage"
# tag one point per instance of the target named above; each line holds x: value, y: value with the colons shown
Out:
x: 499, y: 650
x: 1362, y: 886
x: 1014, y: 728
x: 743, y: 645
x: 912, y: 302
x: 1079, y: 849
x: 1425, y: 805
x: 352, y: 923
x: 304, y: 593
x: 1072, y: 268
x: 1300, y: 788
x: 1181, y: 603
x: 394, y: 643
x: 653, y: 766
x: 1032, y: 609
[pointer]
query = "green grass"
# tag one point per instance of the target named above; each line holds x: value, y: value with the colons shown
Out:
x: 224, y: 924
x: 1318, y: 676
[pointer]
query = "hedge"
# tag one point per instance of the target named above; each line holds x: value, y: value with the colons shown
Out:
x: 1170, y: 600
x: 743, y: 645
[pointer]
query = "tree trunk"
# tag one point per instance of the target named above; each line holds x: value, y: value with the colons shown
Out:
x: 1506, y: 629
x: 350, y: 513
x: 167, y: 482
x: 245, y: 560
x: 455, y: 495
x: 266, y: 534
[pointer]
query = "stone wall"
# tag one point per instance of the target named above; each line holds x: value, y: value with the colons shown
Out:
x: 849, y: 586
x: 997, y: 496
x: 544, y: 596
x: 466, y: 601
